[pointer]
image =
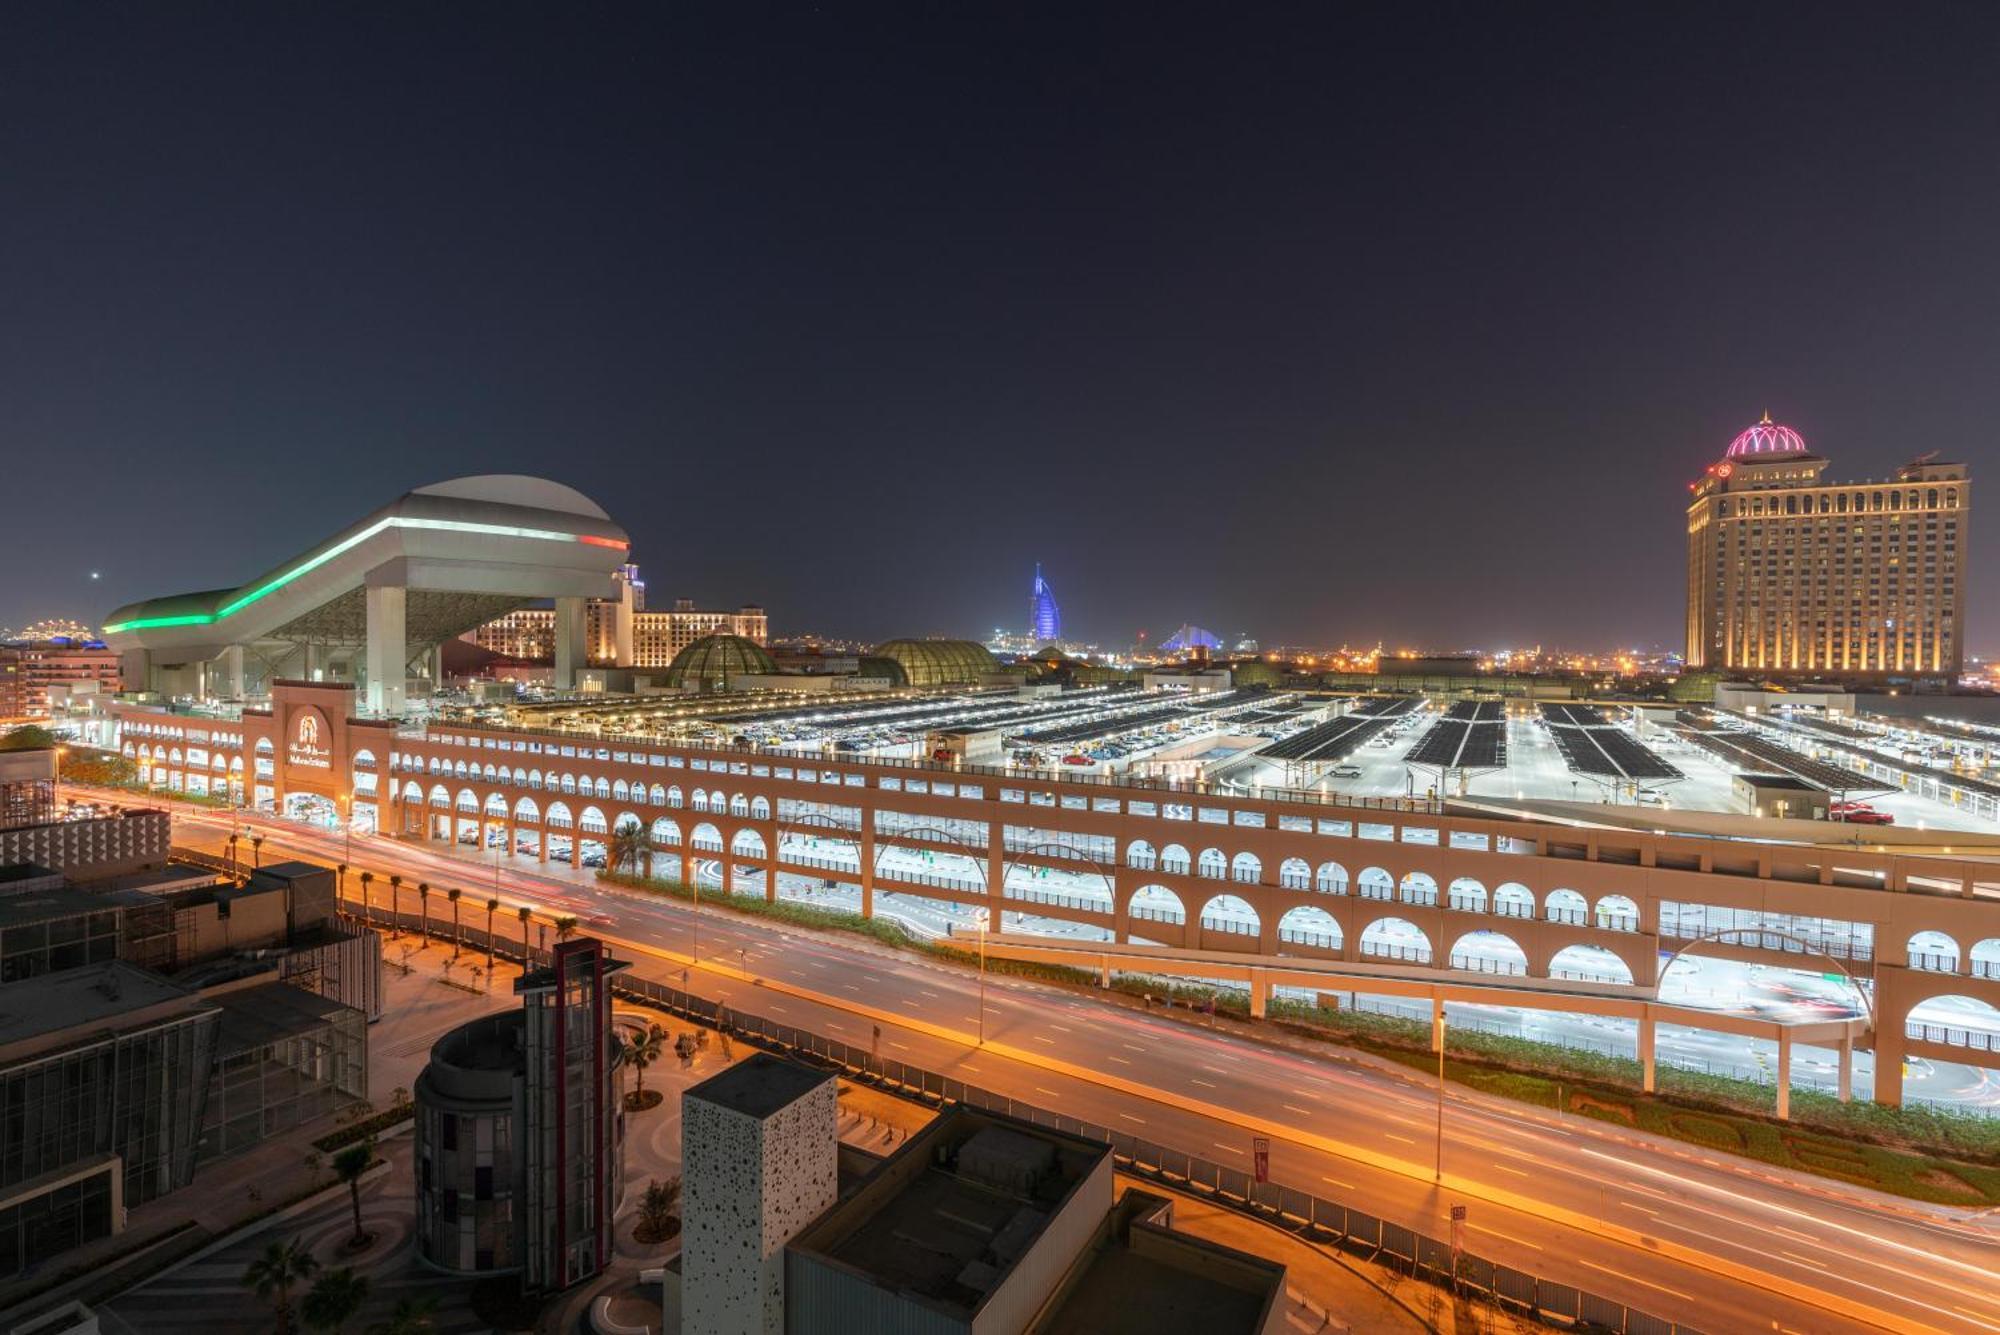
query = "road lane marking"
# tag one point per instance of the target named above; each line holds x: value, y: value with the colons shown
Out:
x: 1206, y: 1084
x: 1132, y: 1047
x: 1393, y: 1136
x: 1803, y: 1260
x: 1231, y: 1148
x: 903, y: 1046
x: 1130, y: 1118
x: 1120, y: 1060
x: 1042, y: 1039
x: 1050, y: 1092
x: 1303, y: 1112
x: 1344, y: 1186
x: 1515, y: 1171
x: 1635, y: 1279
x: 1507, y: 1237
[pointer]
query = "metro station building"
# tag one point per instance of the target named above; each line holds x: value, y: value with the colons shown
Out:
x: 371, y: 605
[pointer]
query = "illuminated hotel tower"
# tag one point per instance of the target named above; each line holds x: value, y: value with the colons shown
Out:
x: 1044, y: 617
x: 1788, y: 573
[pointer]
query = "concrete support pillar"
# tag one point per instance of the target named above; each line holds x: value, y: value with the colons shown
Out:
x: 1104, y: 971
x: 232, y: 671
x: 996, y: 873
x: 571, y: 650
x: 1846, y: 1069
x: 1648, y: 1036
x: 437, y: 667
x: 865, y: 852
x: 1784, y: 1075
x: 386, y: 663
x: 1260, y: 993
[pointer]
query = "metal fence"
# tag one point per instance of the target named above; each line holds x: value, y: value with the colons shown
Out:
x: 1313, y: 1218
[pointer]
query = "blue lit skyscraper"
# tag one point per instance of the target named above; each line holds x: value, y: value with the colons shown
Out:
x: 1044, y: 617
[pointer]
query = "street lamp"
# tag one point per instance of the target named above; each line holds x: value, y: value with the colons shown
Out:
x: 1437, y: 1172
x: 982, y: 918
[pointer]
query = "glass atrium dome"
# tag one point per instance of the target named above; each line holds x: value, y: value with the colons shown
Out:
x: 940, y: 662
x: 711, y: 662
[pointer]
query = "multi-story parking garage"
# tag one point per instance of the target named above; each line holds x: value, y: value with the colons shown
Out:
x: 1392, y: 891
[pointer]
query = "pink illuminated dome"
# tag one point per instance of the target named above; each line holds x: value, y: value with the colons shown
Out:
x: 1765, y: 440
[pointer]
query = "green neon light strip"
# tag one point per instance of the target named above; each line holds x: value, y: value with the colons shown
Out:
x: 306, y: 567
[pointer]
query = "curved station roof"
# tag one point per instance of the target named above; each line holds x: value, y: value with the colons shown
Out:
x: 713, y: 660
x: 466, y: 551
x: 939, y: 662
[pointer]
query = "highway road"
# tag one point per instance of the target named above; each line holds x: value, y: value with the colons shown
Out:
x: 1717, y: 1243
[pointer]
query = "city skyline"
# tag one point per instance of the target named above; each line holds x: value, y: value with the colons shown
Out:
x: 1283, y: 335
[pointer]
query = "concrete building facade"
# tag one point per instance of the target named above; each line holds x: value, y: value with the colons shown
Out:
x: 1789, y: 573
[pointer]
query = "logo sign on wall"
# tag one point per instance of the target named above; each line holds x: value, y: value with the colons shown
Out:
x: 311, y: 743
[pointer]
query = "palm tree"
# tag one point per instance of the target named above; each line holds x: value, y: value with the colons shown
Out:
x: 339, y: 880
x: 257, y: 850
x: 334, y: 1299
x: 367, y: 880
x: 395, y: 898
x: 348, y: 1166
x: 413, y: 1316
x: 492, y: 907
x: 233, y: 836
x: 273, y: 1274
x: 642, y: 1052
x: 628, y: 845
x: 453, y: 894
x: 526, y: 914
x: 565, y: 928
x: 424, y: 907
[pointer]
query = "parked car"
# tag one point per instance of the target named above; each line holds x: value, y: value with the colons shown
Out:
x: 1869, y: 817
x: 1346, y: 771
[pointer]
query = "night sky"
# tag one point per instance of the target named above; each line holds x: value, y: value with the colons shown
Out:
x: 1318, y: 322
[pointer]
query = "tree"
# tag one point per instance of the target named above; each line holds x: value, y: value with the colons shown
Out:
x: 257, y: 851
x: 642, y: 1052
x: 334, y: 1299
x: 413, y: 1316
x: 273, y: 1274
x: 492, y: 907
x: 29, y: 737
x: 629, y: 844
x: 395, y: 898
x: 424, y: 906
x: 659, y: 1210
x: 453, y: 894
x: 348, y: 1166
x: 527, y: 915
x: 367, y: 909
x: 565, y: 928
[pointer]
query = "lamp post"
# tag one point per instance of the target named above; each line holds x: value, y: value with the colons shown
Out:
x: 1437, y: 1171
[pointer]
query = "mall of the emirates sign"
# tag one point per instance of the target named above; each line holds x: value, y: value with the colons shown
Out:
x: 311, y: 744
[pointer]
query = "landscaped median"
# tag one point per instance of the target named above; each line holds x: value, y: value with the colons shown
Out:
x: 1912, y: 1152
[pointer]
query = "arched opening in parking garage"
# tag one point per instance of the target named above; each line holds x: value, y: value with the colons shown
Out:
x: 699, y: 802
x: 1420, y: 888
x: 1295, y: 874
x: 494, y: 833
x: 1376, y: 884
x: 674, y: 797
x: 1154, y: 904
x: 1592, y: 964
x: 1246, y: 869
x: 1232, y: 916
x: 1396, y: 939
x: 1489, y: 952
x: 1934, y: 952
x: 1617, y: 913
x: 1986, y: 958
x: 465, y: 828
x: 1467, y: 895
x: 593, y: 838
x: 746, y: 851
x: 1566, y: 906
x: 760, y: 808
x: 705, y: 838
x: 1514, y: 900
x: 1139, y: 855
x: 739, y: 807
x: 1309, y: 926
x: 1956, y: 1021
x: 1174, y: 859
x: 1330, y: 879
x: 1213, y: 865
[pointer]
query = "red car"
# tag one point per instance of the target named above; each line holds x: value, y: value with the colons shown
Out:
x: 1865, y: 816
